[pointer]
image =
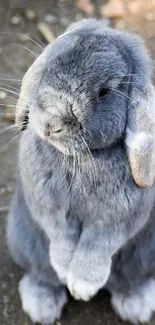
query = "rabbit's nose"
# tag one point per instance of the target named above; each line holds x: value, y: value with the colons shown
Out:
x: 54, y: 127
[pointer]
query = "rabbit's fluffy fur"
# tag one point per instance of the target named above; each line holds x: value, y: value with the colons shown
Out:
x: 78, y: 218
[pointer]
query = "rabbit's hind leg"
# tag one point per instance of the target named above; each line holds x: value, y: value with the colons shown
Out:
x: 43, y: 295
x: 43, y: 303
x: 138, y: 305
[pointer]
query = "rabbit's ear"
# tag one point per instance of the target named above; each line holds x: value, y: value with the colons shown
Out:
x: 29, y: 89
x: 140, y: 135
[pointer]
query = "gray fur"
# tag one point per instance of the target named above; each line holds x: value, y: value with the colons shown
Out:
x: 76, y: 199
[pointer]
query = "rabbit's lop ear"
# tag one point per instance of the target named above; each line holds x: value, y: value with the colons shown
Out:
x: 140, y: 128
x: 29, y: 89
x: 140, y: 136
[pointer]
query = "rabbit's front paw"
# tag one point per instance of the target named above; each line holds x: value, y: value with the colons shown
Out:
x: 86, y: 286
x: 60, y: 269
x: 80, y: 289
x: 61, y: 254
x: 61, y: 272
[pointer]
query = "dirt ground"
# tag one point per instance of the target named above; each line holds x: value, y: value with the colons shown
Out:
x: 14, y: 61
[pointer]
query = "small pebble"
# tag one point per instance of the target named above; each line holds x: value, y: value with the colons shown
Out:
x: 11, y: 275
x: 150, y: 16
x: 5, y: 299
x: 134, y: 7
x: 86, y: 6
x: 30, y: 14
x: 120, y: 24
x: 24, y: 38
x: 78, y: 17
x: 10, y: 113
x: 50, y: 19
x: 2, y: 190
x: 3, y: 95
x: 4, y: 285
x: 64, y: 21
x: 46, y: 32
x: 113, y: 9
x: 15, y: 20
x: 9, y: 188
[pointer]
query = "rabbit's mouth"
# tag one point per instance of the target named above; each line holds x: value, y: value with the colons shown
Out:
x: 69, y: 146
x: 69, y: 137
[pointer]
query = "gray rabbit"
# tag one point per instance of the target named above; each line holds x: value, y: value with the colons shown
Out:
x: 82, y: 215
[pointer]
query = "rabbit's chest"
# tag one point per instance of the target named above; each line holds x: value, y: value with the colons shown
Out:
x: 102, y: 183
x: 106, y: 187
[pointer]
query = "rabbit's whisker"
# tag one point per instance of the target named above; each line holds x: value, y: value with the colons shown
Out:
x: 73, y: 175
x: 27, y: 37
x: 8, y: 105
x: 35, y: 37
x: 70, y: 31
x: 7, y: 128
x: 92, y: 158
x: 129, y: 82
x: 73, y: 171
x: 11, y: 96
x: 27, y: 49
x: 4, y: 84
x: 18, y: 136
x: 63, y: 163
x: 129, y: 75
x: 119, y: 93
x: 5, y: 114
x: 11, y: 114
x: 17, y: 94
x: 6, y: 79
x: 10, y: 90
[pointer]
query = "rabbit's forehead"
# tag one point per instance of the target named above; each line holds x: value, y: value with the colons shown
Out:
x: 90, y: 60
x: 85, y: 50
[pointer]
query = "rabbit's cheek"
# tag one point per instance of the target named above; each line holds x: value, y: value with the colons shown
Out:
x: 37, y: 123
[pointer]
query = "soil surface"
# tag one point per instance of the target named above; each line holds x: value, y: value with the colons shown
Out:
x: 14, y: 61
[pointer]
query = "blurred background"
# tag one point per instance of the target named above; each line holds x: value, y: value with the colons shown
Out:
x: 26, y: 27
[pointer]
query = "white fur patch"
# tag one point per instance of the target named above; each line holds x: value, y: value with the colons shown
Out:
x: 59, y: 269
x: 80, y: 289
x: 42, y: 305
x: 138, y: 306
x: 61, y: 272
x: 138, y: 140
x: 85, y: 289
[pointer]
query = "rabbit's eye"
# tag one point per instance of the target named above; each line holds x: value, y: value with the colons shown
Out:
x: 103, y: 93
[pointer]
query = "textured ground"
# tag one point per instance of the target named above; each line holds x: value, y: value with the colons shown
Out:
x: 14, y: 61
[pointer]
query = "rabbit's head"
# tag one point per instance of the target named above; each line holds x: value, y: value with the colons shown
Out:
x: 89, y: 89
